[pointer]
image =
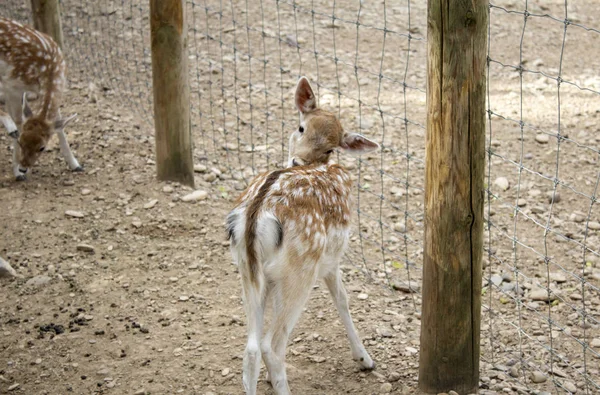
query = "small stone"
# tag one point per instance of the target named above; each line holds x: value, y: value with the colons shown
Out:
x: 38, y: 361
x: 74, y: 214
x: 85, y: 191
x: 195, y: 196
x: 38, y: 281
x: 200, y: 168
x: 542, y: 138
x: 452, y: 393
x: 496, y: 279
x: 394, y: 376
x: 102, y: 372
x: 553, y: 197
x: 6, y: 270
x: 577, y: 217
x: 14, y: 387
x: 411, y: 350
x: 399, y: 227
x: 514, y: 372
x: 210, y: 177
x: 88, y: 317
x: 141, y: 391
x: 362, y: 296
x: 173, y: 279
x: 319, y: 359
x: 168, y: 189
x: 184, y: 298
x: 225, y: 372
x: 558, y: 277
x: 521, y: 202
x: 408, y: 287
x: 502, y: 183
x: 595, y: 343
x: 538, y: 377
x: 150, y: 204
x: 85, y: 248
x: 385, y: 388
x: 68, y: 183
x: 593, y: 225
x: 570, y: 387
x: 539, y: 295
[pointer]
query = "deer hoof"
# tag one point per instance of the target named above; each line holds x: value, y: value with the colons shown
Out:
x: 78, y: 169
x: 21, y: 177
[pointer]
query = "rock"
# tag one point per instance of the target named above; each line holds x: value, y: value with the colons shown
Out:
x: 225, y: 372
x: 14, y: 387
x: 195, y: 196
x: 411, y: 350
x: 558, y: 277
x: 318, y: 359
x: 412, y: 287
x: 85, y: 191
x: 538, y: 377
x: 570, y: 387
x: 502, y: 183
x: 150, y: 204
x: 577, y: 217
x: 74, y: 214
x: 6, y: 271
x: 452, y: 393
x: 394, y: 376
x: 200, y: 168
x: 514, y: 372
x: 38, y: 281
x: 385, y: 388
x: 85, y: 248
x: 595, y: 343
x: 553, y: 197
x: 593, y: 225
x: 496, y: 279
x: 362, y: 296
x: 521, y: 202
x: 210, y: 177
x: 539, y: 295
x: 542, y: 138
x: 184, y: 298
x: 399, y: 227
x: 168, y: 189
x: 141, y: 391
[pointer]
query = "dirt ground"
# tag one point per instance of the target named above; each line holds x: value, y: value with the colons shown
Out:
x: 126, y: 289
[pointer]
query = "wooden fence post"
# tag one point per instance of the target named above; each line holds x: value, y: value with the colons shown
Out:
x: 168, y: 27
x: 454, y: 195
x: 46, y: 18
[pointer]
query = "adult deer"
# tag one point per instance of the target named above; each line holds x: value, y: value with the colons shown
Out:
x: 31, y: 61
x: 289, y: 229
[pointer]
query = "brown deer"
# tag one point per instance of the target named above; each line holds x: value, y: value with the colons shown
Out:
x: 290, y: 228
x: 31, y: 61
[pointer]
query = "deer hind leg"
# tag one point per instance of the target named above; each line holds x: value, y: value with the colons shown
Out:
x: 340, y: 298
x: 17, y: 171
x: 254, y: 299
x: 289, y: 297
x: 9, y: 124
x: 66, y: 152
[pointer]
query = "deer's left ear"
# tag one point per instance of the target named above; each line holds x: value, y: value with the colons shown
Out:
x: 357, y: 144
x: 27, y: 113
x: 61, y: 123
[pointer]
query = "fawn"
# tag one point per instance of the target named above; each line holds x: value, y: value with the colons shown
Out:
x: 290, y: 228
x: 31, y: 61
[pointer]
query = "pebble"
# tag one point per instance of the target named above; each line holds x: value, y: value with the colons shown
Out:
x: 542, y: 138
x: 195, y: 196
x: 502, y: 183
x: 521, y: 202
x: 399, y: 227
x: 452, y: 393
x: 496, y: 279
x: 184, y: 298
x: 539, y: 295
x: 168, y: 189
x: 538, y: 377
x: 85, y: 248
x: 514, y: 372
x: 225, y: 372
x: 74, y: 214
x: 553, y: 197
x: 558, y: 277
x: 362, y: 296
x: 68, y: 183
x: 570, y: 387
x: 150, y: 204
x: 210, y: 177
x: 411, y: 350
x: 85, y: 191
x: 6, y: 271
x: 593, y: 225
x: 577, y: 217
x: 595, y: 343
x: 173, y: 279
x: 14, y: 387
x: 385, y: 388
x: 408, y: 287
x: 200, y: 168
x: 38, y: 281
x: 394, y: 376
x: 141, y: 391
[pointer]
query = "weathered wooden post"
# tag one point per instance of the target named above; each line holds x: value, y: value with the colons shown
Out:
x: 168, y: 29
x: 454, y: 195
x: 46, y: 18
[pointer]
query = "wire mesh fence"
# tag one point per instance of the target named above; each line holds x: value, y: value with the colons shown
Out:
x: 367, y: 61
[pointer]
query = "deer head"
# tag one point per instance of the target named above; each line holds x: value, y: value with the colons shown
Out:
x: 320, y: 132
x: 34, y: 135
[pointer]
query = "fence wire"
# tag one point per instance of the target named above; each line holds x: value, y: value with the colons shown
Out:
x: 367, y: 62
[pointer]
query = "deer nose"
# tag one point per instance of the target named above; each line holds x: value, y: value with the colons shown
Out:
x: 294, y: 163
x: 23, y: 170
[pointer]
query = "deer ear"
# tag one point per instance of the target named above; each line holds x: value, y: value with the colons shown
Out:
x: 305, y: 98
x: 357, y: 144
x: 62, y: 122
x: 25, y: 108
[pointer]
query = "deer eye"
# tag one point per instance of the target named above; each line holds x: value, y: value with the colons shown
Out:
x: 329, y: 152
x: 42, y: 149
x: 301, y: 129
